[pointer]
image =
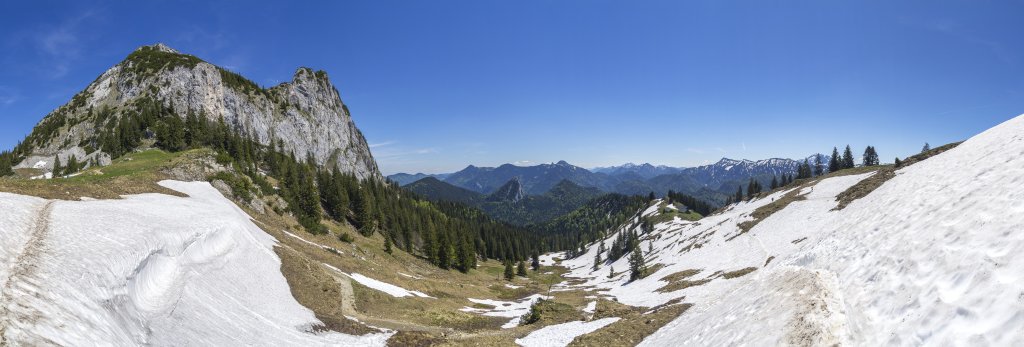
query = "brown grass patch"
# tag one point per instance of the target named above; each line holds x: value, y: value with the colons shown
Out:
x: 317, y: 290
x: 414, y: 339
x: 738, y: 273
x: 632, y: 328
x: 681, y: 280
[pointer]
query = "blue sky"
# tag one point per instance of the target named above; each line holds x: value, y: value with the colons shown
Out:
x: 438, y: 85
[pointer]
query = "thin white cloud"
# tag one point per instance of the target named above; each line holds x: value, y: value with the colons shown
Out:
x: 8, y: 96
x: 61, y: 44
x: 382, y: 144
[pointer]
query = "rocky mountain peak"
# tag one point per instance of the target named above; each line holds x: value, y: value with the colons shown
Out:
x: 511, y: 191
x: 305, y: 116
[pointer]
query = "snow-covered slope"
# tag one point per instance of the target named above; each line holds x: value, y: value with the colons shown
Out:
x: 149, y: 269
x: 929, y: 258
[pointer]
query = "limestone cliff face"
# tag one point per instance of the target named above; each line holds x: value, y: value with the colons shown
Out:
x: 305, y: 115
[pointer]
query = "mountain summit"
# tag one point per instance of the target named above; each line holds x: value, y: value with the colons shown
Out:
x: 304, y: 116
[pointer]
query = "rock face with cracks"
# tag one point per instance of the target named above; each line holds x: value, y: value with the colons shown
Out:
x: 304, y: 116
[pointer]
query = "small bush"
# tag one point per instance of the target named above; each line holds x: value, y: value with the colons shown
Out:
x: 345, y: 237
x: 535, y: 313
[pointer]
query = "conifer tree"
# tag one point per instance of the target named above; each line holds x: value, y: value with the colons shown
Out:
x: 611, y: 272
x: 833, y: 163
x: 58, y: 169
x: 509, y: 274
x: 898, y: 162
x: 73, y: 165
x: 535, y: 263
x: 847, y: 162
x: 819, y: 167
x: 775, y: 182
x: 926, y: 147
x: 739, y: 193
x: 521, y: 269
x: 870, y: 156
x: 637, y: 268
x: 387, y: 244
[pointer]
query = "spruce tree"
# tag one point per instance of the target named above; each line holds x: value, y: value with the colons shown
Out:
x: 926, y: 147
x: 509, y: 274
x: 535, y: 263
x: 611, y: 271
x: 897, y: 163
x: 637, y: 268
x: 72, y: 165
x: 833, y: 163
x: 819, y: 166
x: 597, y: 261
x: 387, y: 244
x: 58, y: 169
x: 521, y: 269
x: 848, y: 162
x: 870, y: 156
x: 775, y: 182
x: 739, y: 193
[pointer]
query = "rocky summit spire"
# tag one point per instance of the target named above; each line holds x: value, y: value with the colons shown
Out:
x: 305, y: 116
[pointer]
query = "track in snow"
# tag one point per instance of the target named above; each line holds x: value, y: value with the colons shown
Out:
x: 21, y: 273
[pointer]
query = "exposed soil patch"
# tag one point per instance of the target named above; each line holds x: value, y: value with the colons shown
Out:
x: 317, y: 290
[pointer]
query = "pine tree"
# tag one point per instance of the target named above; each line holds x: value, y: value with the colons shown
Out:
x: 611, y: 272
x: 819, y: 166
x: 739, y: 193
x: 597, y: 261
x: 775, y: 182
x: 387, y: 244
x: 58, y: 169
x: 637, y: 268
x: 898, y: 162
x: 848, y: 162
x: 833, y: 163
x: 509, y: 274
x: 73, y: 166
x: 870, y: 156
x: 926, y: 147
x: 535, y: 263
x: 521, y: 269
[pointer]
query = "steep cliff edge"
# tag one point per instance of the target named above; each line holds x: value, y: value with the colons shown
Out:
x: 305, y: 116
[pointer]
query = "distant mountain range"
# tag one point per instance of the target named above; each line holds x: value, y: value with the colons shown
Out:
x: 510, y: 203
x: 713, y: 182
x: 404, y: 179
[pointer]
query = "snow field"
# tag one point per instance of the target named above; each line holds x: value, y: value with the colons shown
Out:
x: 560, y: 335
x: 928, y: 258
x: 149, y: 269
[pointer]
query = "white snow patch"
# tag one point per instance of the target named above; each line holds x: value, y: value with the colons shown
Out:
x: 329, y: 248
x: 562, y: 334
x: 389, y: 288
x: 512, y: 286
x: 591, y: 307
x: 509, y: 309
x: 148, y: 269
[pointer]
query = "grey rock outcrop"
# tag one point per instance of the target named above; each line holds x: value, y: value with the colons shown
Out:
x: 305, y: 116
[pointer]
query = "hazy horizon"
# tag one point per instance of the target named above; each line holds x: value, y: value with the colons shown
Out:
x: 435, y: 87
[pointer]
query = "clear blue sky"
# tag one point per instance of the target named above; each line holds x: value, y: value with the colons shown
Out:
x: 438, y: 85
